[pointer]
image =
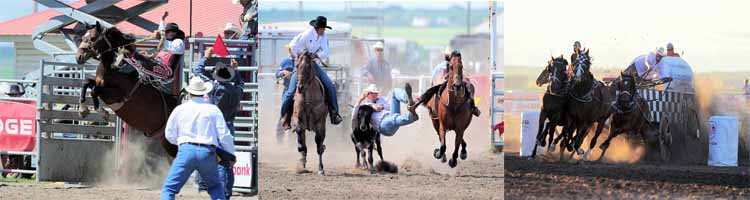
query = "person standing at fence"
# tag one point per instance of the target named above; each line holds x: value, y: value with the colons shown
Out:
x: 377, y: 70
x: 226, y: 94
x: 316, y: 41
x: 198, y: 128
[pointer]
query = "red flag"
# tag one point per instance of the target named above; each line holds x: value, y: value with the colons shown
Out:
x: 219, y: 47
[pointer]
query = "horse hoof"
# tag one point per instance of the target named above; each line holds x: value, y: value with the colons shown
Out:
x: 464, y: 155
x: 321, y: 173
x: 452, y: 163
x: 438, y: 154
x: 443, y: 160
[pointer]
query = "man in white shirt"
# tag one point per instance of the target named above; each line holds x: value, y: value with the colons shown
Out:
x: 387, y: 117
x: 198, y: 128
x: 645, y: 64
x: 313, y: 40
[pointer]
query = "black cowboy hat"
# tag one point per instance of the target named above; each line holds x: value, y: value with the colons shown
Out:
x: 171, y: 27
x: 320, y: 22
x: 455, y: 53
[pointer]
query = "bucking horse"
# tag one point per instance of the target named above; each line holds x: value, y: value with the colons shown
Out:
x: 130, y: 93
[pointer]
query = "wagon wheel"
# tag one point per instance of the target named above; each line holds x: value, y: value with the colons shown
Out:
x: 665, y: 139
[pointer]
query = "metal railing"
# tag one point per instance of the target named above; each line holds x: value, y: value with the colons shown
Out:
x: 496, y: 109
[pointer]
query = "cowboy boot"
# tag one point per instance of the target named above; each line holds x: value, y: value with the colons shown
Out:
x: 286, y: 119
x: 474, y: 110
x: 412, y: 108
x: 335, y: 117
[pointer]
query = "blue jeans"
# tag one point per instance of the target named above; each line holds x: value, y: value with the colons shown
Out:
x: 393, y: 120
x: 226, y: 174
x: 189, y: 158
x: 286, y: 99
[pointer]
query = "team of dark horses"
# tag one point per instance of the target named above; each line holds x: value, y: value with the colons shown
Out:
x: 576, y: 101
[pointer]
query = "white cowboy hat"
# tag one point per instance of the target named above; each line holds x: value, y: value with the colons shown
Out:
x: 232, y: 27
x: 378, y: 45
x: 371, y: 89
x: 198, y: 87
x: 660, y: 51
x: 222, y: 66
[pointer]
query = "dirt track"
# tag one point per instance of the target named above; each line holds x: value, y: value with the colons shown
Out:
x: 420, y: 176
x: 47, y: 190
x: 527, y: 179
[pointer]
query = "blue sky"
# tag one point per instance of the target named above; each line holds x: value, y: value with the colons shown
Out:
x: 17, y: 8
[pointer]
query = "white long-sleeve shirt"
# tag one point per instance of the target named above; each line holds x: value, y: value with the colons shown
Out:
x: 311, y: 41
x: 198, y: 121
x: 644, y: 62
x: 176, y: 46
x: 376, y: 117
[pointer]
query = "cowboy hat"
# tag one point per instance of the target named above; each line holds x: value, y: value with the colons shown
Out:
x: 198, y: 87
x: 660, y: 51
x: 171, y: 27
x: 232, y: 27
x: 222, y: 72
x: 371, y: 89
x: 670, y: 46
x: 378, y: 45
x: 320, y: 22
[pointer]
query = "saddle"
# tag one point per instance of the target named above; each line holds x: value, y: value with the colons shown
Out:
x: 156, y: 71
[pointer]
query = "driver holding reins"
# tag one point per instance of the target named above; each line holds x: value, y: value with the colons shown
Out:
x: 316, y: 41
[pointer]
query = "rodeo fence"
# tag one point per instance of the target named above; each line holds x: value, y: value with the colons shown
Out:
x: 65, y: 158
x: 496, y: 109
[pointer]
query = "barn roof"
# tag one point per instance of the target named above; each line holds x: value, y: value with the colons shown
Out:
x: 209, y: 17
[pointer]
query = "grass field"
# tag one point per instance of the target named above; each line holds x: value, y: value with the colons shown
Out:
x: 425, y: 36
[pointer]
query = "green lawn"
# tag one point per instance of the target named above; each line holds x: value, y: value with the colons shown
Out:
x: 17, y: 180
x: 427, y: 36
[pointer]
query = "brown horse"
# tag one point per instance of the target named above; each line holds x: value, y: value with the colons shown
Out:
x: 309, y: 110
x: 452, y: 112
x: 136, y: 101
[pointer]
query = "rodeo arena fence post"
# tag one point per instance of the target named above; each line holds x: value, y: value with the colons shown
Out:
x: 246, y: 123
